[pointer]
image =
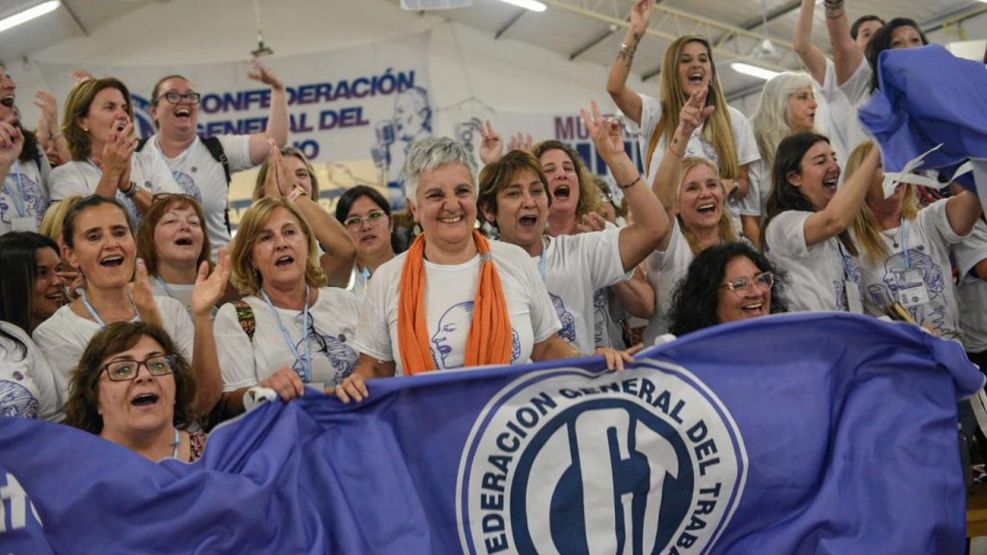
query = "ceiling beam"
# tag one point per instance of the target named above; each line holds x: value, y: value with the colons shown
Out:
x: 735, y: 42
x: 510, y: 23
x: 593, y: 42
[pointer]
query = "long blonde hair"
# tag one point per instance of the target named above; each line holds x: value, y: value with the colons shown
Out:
x: 865, y: 227
x: 727, y: 233
x: 718, y: 130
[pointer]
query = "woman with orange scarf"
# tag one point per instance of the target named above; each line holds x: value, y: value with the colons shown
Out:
x: 453, y: 299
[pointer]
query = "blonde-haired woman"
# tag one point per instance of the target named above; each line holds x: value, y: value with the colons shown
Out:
x: 905, y: 250
x: 99, y: 128
x: 694, y: 198
x: 290, y: 331
x: 724, y: 138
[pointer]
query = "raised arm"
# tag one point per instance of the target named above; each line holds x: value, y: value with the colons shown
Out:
x: 340, y: 252
x: 277, y: 117
x: 962, y: 212
x: 650, y: 222
x: 845, y: 204
x: 625, y: 97
x: 208, y: 289
x: 812, y: 57
x: 667, y: 178
x: 847, y: 56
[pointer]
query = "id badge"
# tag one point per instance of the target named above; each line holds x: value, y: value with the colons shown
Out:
x: 913, y: 296
x: 24, y: 224
x: 853, y: 301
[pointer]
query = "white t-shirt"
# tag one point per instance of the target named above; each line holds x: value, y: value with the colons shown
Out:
x: 971, y: 292
x: 27, y: 385
x: 77, y: 178
x: 743, y: 137
x: 181, y: 292
x: 63, y: 338
x: 24, y: 196
x: 200, y: 176
x: 575, y: 269
x: 358, y: 283
x: 449, y: 293
x: 329, y: 338
x: 665, y: 270
x: 841, y: 126
x: 922, y: 283
x: 818, y: 274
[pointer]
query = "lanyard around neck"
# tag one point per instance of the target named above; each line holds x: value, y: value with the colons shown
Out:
x: 92, y: 310
x: 307, y: 360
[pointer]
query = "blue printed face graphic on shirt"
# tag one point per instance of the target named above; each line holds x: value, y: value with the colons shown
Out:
x: 568, y: 331
x: 335, y: 349
x: 456, y: 319
x: 188, y: 185
x: 16, y: 400
x: 21, y: 197
x: 898, y: 278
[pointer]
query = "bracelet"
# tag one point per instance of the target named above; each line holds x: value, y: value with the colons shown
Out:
x: 677, y: 154
x: 131, y: 191
x: 631, y: 184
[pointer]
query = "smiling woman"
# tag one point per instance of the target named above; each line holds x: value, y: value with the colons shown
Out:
x: 173, y: 244
x: 133, y: 387
x: 290, y: 331
x: 98, y: 126
x: 99, y: 241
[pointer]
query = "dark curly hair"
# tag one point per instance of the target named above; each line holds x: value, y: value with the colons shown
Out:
x: 82, y: 406
x: 697, y: 297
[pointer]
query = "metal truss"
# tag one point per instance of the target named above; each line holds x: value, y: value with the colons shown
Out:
x: 730, y: 43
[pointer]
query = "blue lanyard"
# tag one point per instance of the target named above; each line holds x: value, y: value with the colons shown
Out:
x: 365, y: 276
x: 92, y: 309
x: 307, y: 361
x: 904, y: 243
x: 17, y: 199
x: 167, y: 289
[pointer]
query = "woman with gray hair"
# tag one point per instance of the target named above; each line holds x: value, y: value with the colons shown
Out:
x: 453, y: 299
x: 788, y: 105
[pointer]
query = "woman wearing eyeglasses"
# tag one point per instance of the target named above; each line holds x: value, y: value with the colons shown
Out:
x: 290, y: 331
x: 367, y: 217
x: 172, y: 243
x: 133, y: 387
x: 175, y: 108
x: 99, y: 127
x: 726, y: 283
x: 99, y: 241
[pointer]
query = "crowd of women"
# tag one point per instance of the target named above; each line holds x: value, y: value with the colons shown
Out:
x: 128, y: 310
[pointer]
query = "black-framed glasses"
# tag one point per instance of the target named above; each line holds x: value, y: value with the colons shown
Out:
x: 763, y: 281
x: 175, y: 97
x: 356, y: 221
x: 123, y: 370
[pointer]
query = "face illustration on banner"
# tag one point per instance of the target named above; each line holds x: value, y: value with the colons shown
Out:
x: 144, y: 123
x: 570, y: 461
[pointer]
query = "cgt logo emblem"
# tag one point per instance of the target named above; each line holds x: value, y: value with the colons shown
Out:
x: 575, y: 462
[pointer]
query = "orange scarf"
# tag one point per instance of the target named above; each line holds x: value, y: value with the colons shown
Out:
x: 490, y: 338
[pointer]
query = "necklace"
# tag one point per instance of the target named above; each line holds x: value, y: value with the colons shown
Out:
x: 893, y: 237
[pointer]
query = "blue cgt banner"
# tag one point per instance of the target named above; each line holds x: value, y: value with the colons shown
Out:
x: 808, y: 433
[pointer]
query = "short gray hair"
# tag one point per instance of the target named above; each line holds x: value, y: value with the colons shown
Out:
x: 432, y: 153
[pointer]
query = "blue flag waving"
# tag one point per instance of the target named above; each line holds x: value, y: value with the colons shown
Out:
x: 807, y: 433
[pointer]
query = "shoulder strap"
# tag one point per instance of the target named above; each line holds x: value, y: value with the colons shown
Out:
x: 140, y: 143
x: 215, y: 148
x: 245, y: 314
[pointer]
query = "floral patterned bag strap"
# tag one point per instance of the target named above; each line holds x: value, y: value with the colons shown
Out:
x: 245, y: 314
